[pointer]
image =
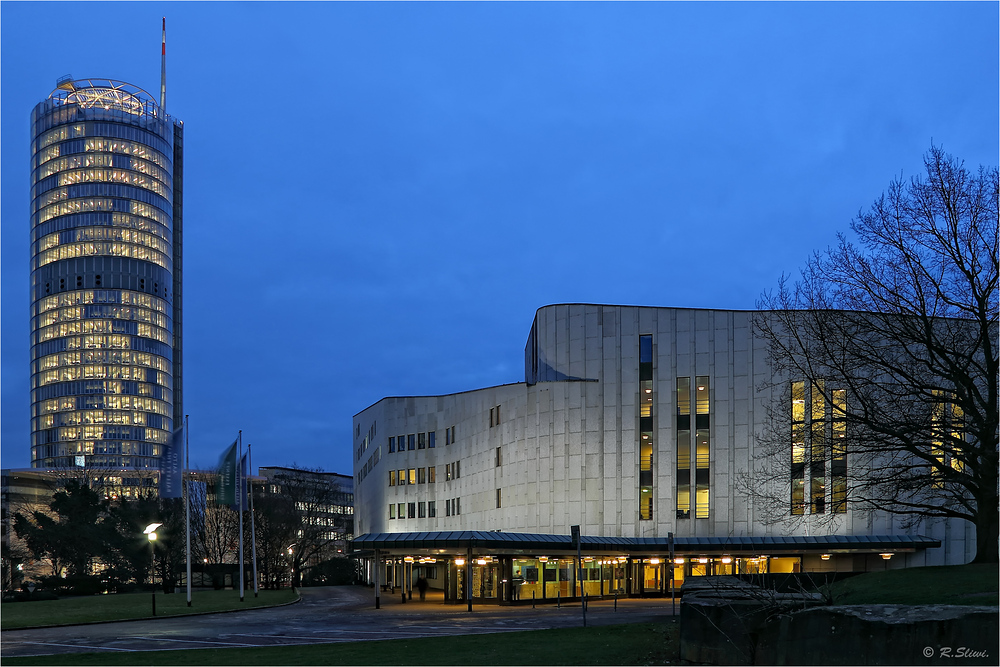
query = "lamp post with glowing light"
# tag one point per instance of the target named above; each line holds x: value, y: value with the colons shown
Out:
x: 150, y: 533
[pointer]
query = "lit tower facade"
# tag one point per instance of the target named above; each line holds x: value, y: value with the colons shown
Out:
x: 106, y: 249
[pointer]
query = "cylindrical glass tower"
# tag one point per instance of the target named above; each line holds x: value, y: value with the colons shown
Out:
x: 105, y: 276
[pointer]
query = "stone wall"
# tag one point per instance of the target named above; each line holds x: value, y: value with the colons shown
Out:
x: 749, y: 627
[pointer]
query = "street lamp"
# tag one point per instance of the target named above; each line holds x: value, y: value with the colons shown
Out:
x: 150, y: 533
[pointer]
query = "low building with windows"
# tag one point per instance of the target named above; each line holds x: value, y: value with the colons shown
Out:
x: 634, y: 424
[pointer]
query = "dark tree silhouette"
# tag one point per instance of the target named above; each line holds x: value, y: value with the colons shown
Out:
x: 895, y: 335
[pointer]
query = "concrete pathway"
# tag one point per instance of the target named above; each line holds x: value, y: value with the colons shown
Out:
x: 325, y: 615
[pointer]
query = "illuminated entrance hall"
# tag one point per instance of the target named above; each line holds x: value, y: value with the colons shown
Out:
x: 520, y: 568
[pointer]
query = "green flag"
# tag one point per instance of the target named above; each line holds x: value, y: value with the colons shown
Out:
x: 225, y: 491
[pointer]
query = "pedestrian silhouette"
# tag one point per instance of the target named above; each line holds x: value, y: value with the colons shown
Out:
x: 422, y: 587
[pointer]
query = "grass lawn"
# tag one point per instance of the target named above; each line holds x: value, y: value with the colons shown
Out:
x: 130, y: 606
x: 946, y: 584
x: 636, y: 644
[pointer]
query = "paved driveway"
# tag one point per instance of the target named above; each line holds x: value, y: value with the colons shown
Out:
x: 325, y: 615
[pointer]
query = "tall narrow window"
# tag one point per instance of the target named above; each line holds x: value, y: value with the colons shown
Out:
x: 798, y: 476
x: 411, y: 441
x: 499, y: 458
x: 401, y: 476
x: 431, y: 509
x: 702, y: 446
x: 401, y: 510
x: 838, y: 464
x: 392, y: 444
x: 453, y: 434
x: 401, y: 442
x: 392, y: 478
x: 646, y: 428
x: 498, y: 498
x: 430, y: 439
x: 421, y: 510
x: 818, y: 453
x: 421, y: 476
x: 683, y: 447
x: 421, y: 441
x: 392, y: 510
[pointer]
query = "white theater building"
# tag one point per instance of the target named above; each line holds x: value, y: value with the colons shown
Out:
x: 632, y: 423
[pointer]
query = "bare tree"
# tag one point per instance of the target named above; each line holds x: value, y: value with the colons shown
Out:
x: 307, y: 501
x: 894, y: 337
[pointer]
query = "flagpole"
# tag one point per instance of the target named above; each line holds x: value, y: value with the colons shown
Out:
x: 187, y: 502
x: 253, y: 533
x: 239, y: 507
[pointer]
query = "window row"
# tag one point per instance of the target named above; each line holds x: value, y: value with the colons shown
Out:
x: 368, y: 439
x: 107, y: 387
x: 69, y: 403
x: 412, y: 476
x: 97, y: 417
x: 88, y: 297
x: 98, y: 145
x: 137, y: 373
x: 73, y: 222
x: 452, y: 471
x: 97, y: 280
x: 78, y: 327
x: 370, y: 464
x: 91, y: 160
x: 101, y: 132
x: 124, y: 357
x: 417, y: 510
x: 106, y: 249
x: 160, y: 436
x: 101, y: 311
x: 98, y: 192
x: 79, y: 161
x: 78, y: 206
x: 90, y: 447
x: 103, y: 233
x: 101, y: 342
x: 413, y: 441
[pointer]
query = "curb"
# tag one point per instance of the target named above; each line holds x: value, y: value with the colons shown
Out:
x: 155, y: 618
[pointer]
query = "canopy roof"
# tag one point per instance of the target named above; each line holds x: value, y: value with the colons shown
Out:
x: 520, y: 543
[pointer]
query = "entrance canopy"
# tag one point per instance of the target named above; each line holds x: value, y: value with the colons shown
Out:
x: 490, y: 542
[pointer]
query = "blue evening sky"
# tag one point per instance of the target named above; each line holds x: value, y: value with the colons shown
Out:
x: 378, y: 196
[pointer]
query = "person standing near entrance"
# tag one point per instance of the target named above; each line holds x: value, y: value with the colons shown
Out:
x: 422, y: 587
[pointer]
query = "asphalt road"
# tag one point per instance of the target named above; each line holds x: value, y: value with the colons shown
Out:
x: 325, y: 615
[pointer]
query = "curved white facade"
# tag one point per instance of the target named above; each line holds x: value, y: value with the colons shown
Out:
x: 570, y: 440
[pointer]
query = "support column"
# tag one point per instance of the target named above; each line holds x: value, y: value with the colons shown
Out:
x: 378, y: 601
x: 468, y: 578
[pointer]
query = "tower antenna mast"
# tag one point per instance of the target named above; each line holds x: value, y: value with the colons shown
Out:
x: 163, y: 69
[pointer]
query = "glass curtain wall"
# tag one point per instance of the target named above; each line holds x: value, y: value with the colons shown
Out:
x: 102, y: 277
